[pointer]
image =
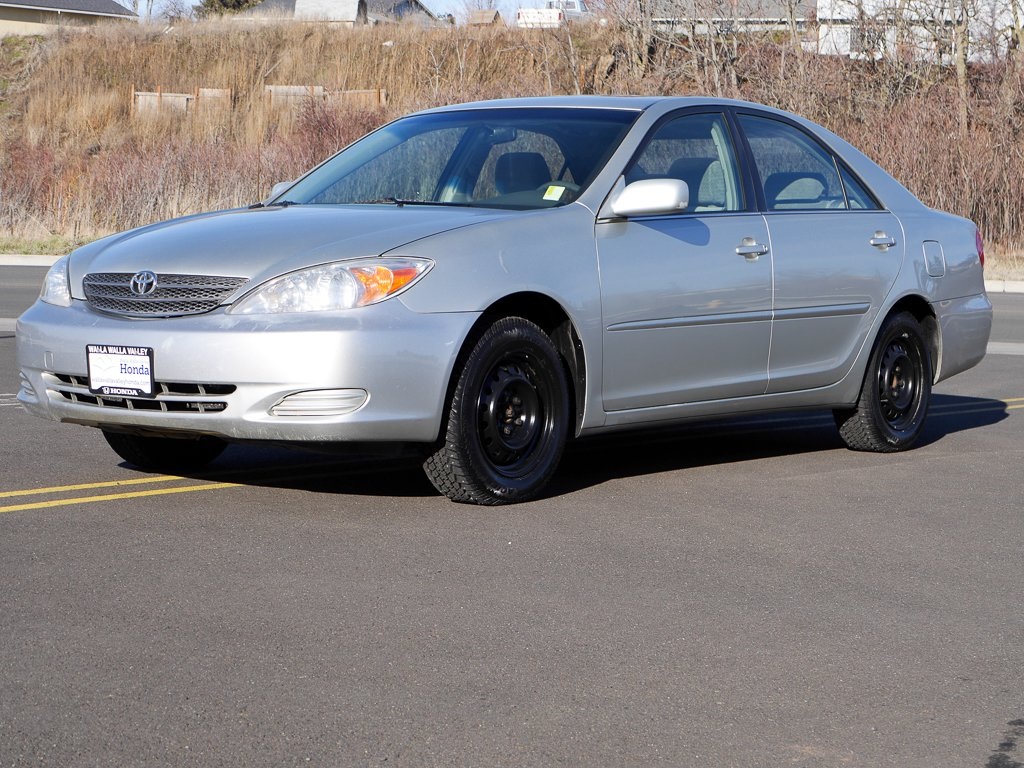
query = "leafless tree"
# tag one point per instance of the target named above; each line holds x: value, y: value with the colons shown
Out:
x: 172, y: 10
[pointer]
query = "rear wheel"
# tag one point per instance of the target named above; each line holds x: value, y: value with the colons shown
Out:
x: 890, y: 413
x: 508, y: 419
x: 165, y: 454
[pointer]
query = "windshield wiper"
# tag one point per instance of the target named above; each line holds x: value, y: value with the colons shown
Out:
x: 402, y: 202
x: 280, y: 204
x: 430, y: 202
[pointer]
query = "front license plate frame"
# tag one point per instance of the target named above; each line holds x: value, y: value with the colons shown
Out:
x: 120, y: 371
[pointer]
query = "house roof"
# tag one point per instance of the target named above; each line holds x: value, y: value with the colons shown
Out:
x: 309, y: 10
x: 87, y: 7
x: 337, y: 10
x: 398, y: 9
x: 484, y: 17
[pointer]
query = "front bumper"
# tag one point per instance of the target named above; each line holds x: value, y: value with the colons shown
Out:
x: 226, y: 375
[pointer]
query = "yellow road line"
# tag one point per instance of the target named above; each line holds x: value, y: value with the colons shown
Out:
x: 88, y: 486
x: 981, y: 403
x: 115, y: 496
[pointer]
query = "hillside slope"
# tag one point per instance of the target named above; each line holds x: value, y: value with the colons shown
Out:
x: 79, y: 161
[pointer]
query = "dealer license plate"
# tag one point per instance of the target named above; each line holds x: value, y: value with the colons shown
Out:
x: 120, y: 371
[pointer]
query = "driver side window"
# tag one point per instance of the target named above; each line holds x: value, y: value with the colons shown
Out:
x: 698, y: 150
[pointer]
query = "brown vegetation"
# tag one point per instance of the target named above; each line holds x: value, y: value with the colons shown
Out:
x: 77, y: 163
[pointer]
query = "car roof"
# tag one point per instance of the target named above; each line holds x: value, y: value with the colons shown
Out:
x: 634, y: 103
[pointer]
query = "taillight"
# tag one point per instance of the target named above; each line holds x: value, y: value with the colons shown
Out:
x: 981, y: 246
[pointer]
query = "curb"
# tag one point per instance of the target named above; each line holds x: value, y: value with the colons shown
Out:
x: 26, y: 260
x: 1004, y: 286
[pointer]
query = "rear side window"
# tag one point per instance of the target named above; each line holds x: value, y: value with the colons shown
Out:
x: 795, y: 172
x: 857, y: 197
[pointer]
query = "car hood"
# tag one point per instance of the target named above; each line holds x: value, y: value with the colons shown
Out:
x: 262, y: 243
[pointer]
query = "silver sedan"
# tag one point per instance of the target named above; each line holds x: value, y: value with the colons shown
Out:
x: 483, y: 282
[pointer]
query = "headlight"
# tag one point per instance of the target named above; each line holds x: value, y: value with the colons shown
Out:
x: 343, y: 285
x: 56, y: 288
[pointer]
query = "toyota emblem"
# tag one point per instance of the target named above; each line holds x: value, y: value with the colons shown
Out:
x: 143, y: 283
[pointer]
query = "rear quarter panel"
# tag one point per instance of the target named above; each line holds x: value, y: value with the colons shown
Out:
x: 942, y: 265
x: 961, y: 273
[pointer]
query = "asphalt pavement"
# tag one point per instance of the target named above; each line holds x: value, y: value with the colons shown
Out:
x: 733, y: 593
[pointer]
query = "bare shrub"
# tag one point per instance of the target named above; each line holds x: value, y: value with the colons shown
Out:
x: 322, y: 129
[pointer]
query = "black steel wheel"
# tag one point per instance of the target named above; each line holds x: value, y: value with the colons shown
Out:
x: 508, y: 420
x: 893, y: 403
x: 165, y: 454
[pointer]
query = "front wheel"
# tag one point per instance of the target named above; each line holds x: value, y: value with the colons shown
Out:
x: 165, y: 454
x: 508, y: 419
x: 890, y: 413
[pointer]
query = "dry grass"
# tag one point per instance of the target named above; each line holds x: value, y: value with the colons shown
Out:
x: 47, y: 246
x: 76, y: 163
x: 1004, y: 263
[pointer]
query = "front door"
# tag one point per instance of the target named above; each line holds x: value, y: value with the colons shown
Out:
x: 686, y: 299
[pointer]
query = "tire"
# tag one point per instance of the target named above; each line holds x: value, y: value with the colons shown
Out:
x: 165, y: 454
x: 508, y: 420
x: 890, y: 412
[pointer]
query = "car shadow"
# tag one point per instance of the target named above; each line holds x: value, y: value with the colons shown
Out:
x: 386, y: 474
x: 949, y: 414
x: 724, y: 441
x: 589, y: 461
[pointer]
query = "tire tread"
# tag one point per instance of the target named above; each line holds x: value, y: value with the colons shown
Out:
x: 859, y: 426
x: 449, y: 467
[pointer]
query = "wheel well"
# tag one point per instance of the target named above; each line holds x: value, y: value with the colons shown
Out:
x: 553, y: 320
x: 922, y: 311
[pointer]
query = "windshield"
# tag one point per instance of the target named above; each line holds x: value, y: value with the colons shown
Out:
x: 518, y: 158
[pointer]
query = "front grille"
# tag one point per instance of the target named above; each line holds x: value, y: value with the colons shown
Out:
x: 175, y: 295
x: 171, y: 397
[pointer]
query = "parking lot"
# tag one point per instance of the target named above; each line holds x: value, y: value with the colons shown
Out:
x: 735, y: 593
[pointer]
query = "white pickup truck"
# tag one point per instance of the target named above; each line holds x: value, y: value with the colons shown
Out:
x: 555, y: 13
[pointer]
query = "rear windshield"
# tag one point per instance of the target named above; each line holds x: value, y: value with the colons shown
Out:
x: 516, y: 158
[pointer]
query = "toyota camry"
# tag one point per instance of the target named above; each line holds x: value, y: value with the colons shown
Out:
x: 484, y: 282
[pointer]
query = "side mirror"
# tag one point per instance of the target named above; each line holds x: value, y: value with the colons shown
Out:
x: 277, y: 189
x: 649, y: 197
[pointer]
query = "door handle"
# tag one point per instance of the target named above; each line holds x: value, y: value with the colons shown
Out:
x: 750, y: 249
x: 882, y: 241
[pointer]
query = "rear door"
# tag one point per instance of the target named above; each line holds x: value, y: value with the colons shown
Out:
x: 836, y: 253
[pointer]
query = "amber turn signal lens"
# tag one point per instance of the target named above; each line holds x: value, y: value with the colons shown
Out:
x: 380, y: 281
